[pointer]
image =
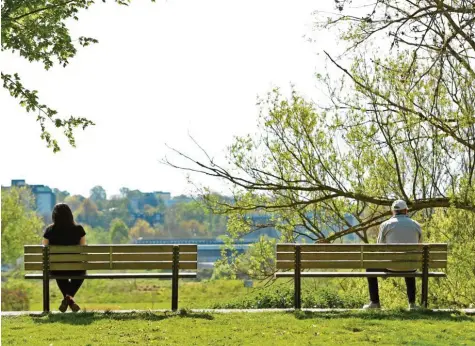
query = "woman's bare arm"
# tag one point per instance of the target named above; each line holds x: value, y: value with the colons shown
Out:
x: 45, y: 241
x: 82, y: 241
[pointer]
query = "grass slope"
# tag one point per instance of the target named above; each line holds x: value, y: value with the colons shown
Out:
x: 143, y: 294
x: 299, y: 328
x: 140, y: 294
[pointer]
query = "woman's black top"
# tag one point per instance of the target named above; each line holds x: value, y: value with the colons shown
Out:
x: 64, y: 235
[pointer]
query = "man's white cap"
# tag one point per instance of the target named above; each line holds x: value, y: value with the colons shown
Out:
x: 399, y: 205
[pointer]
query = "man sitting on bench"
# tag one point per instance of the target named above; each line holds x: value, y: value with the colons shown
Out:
x: 398, y: 229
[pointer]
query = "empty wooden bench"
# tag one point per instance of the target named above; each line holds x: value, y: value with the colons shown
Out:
x: 299, y: 257
x: 111, y: 258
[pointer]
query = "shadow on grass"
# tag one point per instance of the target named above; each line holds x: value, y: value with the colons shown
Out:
x: 86, y: 318
x: 400, y: 315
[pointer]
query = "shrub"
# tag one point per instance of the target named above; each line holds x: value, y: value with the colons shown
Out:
x: 15, y: 299
x: 223, y: 270
x: 456, y: 227
x: 282, y: 296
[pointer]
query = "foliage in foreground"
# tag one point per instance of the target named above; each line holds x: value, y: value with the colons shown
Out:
x: 20, y: 224
x: 389, y: 327
x: 38, y: 31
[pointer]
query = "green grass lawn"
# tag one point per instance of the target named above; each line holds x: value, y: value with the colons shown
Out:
x: 140, y: 294
x: 147, y: 294
x: 390, y: 327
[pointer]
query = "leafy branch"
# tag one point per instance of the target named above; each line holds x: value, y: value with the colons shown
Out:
x: 29, y: 100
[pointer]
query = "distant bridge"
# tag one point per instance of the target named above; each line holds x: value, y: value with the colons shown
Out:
x: 197, y: 241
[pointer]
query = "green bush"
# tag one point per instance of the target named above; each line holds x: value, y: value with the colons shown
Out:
x: 223, y: 271
x: 15, y: 299
x: 457, y: 228
x: 282, y: 296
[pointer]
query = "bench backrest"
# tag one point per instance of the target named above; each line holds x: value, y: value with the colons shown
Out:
x: 110, y: 257
x: 361, y: 256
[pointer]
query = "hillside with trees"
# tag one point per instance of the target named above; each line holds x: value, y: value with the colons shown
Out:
x: 134, y: 214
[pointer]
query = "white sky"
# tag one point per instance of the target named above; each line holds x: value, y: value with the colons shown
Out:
x: 160, y: 71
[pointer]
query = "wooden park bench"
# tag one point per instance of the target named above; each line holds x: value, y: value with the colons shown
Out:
x: 401, y: 257
x: 111, y: 258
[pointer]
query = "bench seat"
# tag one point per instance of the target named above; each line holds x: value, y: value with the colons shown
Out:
x: 358, y: 275
x: 116, y: 276
x: 112, y: 261
x: 293, y: 259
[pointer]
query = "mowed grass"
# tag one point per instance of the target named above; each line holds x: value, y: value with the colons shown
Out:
x: 140, y: 294
x: 150, y: 294
x: 293, y: 328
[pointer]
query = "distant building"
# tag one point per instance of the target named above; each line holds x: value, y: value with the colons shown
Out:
x: 178, y: 199
x: 138, y: 203
x: 157, y: 218
x: 164, y: 196
x: 45, y: 199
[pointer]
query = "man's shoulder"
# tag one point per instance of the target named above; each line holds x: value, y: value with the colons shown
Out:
x: 395, y: 220
x: 417, y: 223
x: 408, y: 219
x: 418, y: 226
x: 389, y: 221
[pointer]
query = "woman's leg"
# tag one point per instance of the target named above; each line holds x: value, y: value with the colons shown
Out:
x: 64, y: 286
x: 76, y: 283
x: 74, y: 286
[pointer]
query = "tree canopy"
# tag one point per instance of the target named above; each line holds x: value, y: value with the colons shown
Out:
x: 398, y: 122
x: 20, y: 223
x: 119, y: 232
x: 141, y: 229
x: 37, y: 31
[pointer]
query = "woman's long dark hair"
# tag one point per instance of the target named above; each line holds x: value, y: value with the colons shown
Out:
x: 62, y: 215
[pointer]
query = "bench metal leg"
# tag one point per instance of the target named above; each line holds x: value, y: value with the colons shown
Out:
x: 46, y: 279
x: 425, y: 293
x: 297, y: 279
x: 425, y: 277
x: 46, y: 295
x: 176, y: 258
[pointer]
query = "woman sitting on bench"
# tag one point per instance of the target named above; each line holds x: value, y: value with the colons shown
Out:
x: 64, y: 231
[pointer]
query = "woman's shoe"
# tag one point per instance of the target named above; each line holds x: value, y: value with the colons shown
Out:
x: 72, y: 304
x: 64, y: 305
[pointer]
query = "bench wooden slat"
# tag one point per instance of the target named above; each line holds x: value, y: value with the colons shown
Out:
x: 410, y: 255
x: 184, y: 257
x: 33, y: 249
x: 107, y: 265
x: 370, y: 256
x: 120, y: 248
x: 358, y: 247
x: 54, y: 258
x: 182, y: 275
x: 34, y: 266
x: 33, y: 258
x: 402, y: 265
x: 356, y: 274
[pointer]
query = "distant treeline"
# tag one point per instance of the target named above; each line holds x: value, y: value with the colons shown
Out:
x: 134, y: 214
